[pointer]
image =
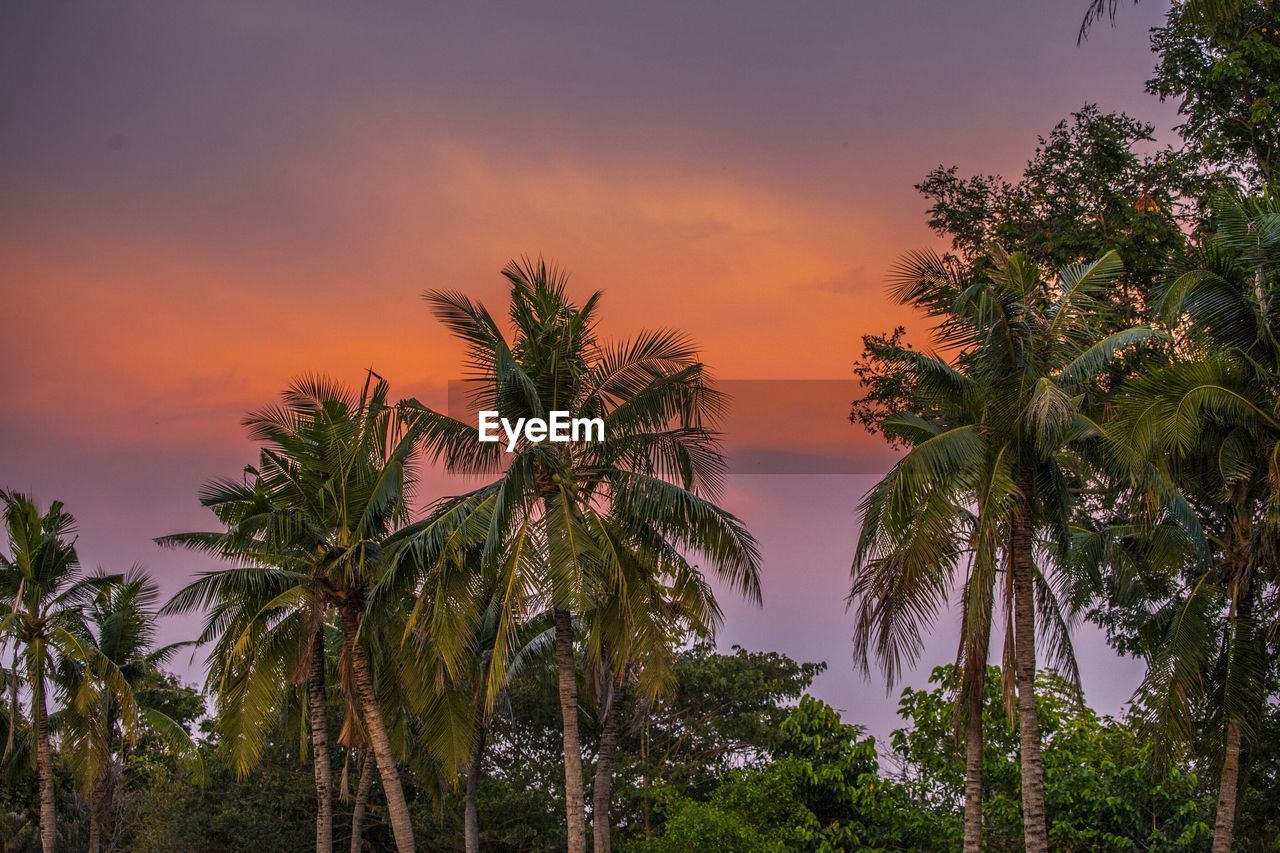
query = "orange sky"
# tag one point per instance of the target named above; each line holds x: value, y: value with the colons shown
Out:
x: 198, y: 203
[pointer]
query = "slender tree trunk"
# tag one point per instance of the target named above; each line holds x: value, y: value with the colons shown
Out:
x: 397, y: 808
x: 368, y: 768
x: 95, y: 817
x: 13, y: 705
x: 1229, y: 780
x: 471, y: 813
x: 975, y: 684
x: 102, y: 795
x: 318, y: 708
x: 44, y: 766
x: 646, y: 806
x: 975, y: 648
x: 101, y: 802
x: 567, y: 672
x: 95, y: 826
x: 1225, y: 824
x: 1034, y: 825
x: 602, y: 784
x: 973, y: 781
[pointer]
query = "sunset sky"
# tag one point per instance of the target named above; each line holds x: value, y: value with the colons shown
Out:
x: 200, y: 202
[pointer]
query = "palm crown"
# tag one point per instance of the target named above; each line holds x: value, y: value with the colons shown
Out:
x: 568, y: 525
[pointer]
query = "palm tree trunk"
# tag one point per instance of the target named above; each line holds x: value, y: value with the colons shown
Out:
x: 95, y: 819
x: 973, y: 781
x: 100, y: 802
x: 13, y: 706
x: 975, y: 648
x: 1224, y: 826
x: 471, y: 814
x: 367, y: 768
x: 975, y: 684
x: 397, y: 808
x: 318, y: 708
x: 1034, y: 826
x: 44, y: 766
x: 95, y: 822
x: 602, y: 783
x: 1229, y: 779
x: 567, y: 678
x: 646, y: 805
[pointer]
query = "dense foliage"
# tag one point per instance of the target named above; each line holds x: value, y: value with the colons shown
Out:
x: 797, y: 778
x: 801, y: 777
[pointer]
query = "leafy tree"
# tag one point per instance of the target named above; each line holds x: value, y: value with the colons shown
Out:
x: 723, y: 715
x: 167, y: 694
x: 1258, y: 824
x: 823, y: 792
x: 563, y: 525
x: 271, y: 809
x: 163, y: 809
x: 1225, y: 74
x: 1086, y: 190
x: 1105, y: 788
x: 521, y: 786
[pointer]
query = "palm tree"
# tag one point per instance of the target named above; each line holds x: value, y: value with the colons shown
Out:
x: 907, y: 562
x: 332, y: 484
x: 998, y: 435
x: 558, y: 518
x: 1210, y: 422
x: 121, y: 619
x: 457, y: 716
x: 648, y: 610
x: 41, y: 584
x: 268, y: 631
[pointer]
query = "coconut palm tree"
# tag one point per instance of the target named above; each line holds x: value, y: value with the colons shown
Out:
x: 44, y: 592
x: 457, y: 716
x: 121, y: 618
x: 558, y: 519
x: 999, y: 435
x: 1210, y: 421
x: 629, y: 641
x: 909, y: 556
x: 650, y: 607
x: 333, y: 482
x: 268, y: 633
